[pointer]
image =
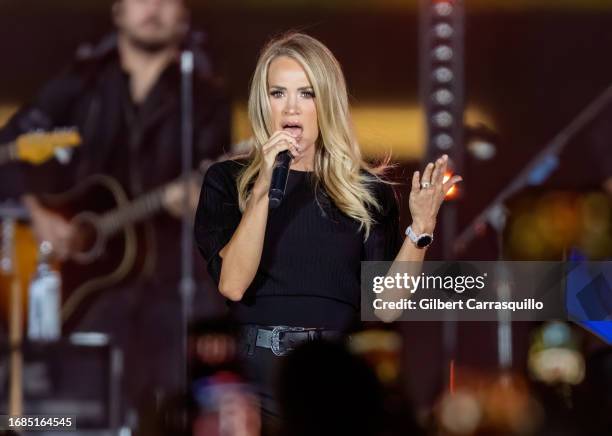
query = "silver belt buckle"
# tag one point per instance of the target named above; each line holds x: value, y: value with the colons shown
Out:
x: 276, y: 333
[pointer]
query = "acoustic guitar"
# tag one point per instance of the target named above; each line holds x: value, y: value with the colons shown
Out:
x: 112, y: 240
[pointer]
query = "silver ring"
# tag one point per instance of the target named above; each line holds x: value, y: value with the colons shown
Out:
x: 425, y: 185
x: 46, y: 248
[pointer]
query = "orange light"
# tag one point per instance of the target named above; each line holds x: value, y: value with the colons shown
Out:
x: 453, y: 192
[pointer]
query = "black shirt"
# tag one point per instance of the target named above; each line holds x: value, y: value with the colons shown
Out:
x: 138, y: 145
x: 309, y: 274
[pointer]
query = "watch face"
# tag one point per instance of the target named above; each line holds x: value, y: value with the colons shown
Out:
x: 424, y: 241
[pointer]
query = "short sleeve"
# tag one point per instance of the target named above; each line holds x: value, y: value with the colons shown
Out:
x: 217, y: 215
x: 384, y: 239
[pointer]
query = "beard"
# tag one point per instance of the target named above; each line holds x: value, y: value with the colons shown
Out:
x: 151, y: 45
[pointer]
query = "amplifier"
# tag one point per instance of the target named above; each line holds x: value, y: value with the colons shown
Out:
x: 79, y: 376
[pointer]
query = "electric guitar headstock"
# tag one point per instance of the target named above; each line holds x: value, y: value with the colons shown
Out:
x: 38, y: 147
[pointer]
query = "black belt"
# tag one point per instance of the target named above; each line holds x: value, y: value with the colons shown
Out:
x: 282, y: 339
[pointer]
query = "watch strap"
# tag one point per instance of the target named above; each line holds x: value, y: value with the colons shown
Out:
x: 416, y: 238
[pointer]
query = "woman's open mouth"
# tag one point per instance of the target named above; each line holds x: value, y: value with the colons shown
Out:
x: 295, y: 129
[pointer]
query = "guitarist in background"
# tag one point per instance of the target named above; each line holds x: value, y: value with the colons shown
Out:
x: 123, y: 95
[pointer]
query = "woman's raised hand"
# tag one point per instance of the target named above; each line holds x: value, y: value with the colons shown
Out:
x: 278, y: 142
x: 427, y: 194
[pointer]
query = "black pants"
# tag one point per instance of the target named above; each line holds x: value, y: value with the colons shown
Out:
x: 262, y: 367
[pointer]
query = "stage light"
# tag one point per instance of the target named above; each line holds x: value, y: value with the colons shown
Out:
x: 452, y: 192
x: 441, y: 24
x: 443, y: 97
x: 443, y: 53
x: 554, y: 355
x: 443, y: 8
x: 441, y: 64
x: 460, y: 413
x: 443, y: 119
x: 443, y: 141
x: 443, y: 31
x: 481, y: 149
x: 482, y: 141
x: 443, y: 75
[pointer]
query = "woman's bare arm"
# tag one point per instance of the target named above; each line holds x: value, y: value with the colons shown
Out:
x: 242, y: 254
x: 424, y: 206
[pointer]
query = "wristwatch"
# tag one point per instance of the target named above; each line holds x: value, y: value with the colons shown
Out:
x: 421, y: 241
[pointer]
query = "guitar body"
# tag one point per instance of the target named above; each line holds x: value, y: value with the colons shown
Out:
x: 98, y: 261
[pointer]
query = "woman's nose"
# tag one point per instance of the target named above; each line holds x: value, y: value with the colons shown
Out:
x: 291, y: 105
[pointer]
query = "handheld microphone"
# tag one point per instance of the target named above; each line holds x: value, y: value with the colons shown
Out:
x: 280, y: 173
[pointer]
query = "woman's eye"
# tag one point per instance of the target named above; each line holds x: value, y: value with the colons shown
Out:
x: 276, y: 94
x: 308, y: 94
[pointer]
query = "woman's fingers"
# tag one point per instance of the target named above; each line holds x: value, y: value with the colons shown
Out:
x: 427, y: 174
x: 281, y: 141
x: 416, y: 184
x: 278, y: 137
x: 274, y: 149
x: 438, y: 173
x: 280, y: 134
x: 283, y: 145
x: 272, y: 144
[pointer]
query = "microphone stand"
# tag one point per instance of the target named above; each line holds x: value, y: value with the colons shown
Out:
x: 536, y: 172
x: 187, y: 283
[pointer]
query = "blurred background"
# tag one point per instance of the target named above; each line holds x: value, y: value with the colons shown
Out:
x: 529, y: 68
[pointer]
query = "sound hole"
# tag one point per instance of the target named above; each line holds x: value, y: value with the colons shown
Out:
x: 86, y: 243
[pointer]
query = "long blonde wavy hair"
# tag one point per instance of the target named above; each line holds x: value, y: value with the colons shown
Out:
x: 338, y: 167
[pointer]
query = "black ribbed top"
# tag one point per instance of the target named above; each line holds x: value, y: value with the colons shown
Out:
x: 309, y: 274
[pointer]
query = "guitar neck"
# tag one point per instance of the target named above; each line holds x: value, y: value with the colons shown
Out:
x: 138, y: 210
x: 7, y: 153
x: 148, y: 204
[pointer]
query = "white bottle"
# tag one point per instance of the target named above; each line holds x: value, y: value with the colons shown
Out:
x: 44, y: 318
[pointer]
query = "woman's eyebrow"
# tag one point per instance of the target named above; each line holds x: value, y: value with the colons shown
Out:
x: 282, y: 88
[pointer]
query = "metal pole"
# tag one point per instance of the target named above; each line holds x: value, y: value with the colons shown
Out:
x: 441, y: 45
x: 187, y: 284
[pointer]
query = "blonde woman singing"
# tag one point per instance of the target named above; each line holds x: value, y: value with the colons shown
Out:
x: 292, y: 274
